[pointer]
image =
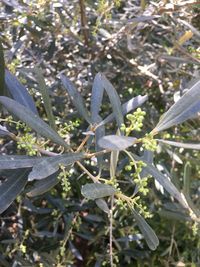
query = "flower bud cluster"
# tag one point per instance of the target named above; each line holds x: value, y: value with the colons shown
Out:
x: 135, y: 122
x: 149, y: 142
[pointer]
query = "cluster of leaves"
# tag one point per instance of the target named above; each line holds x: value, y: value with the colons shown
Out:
x: 45, y: 169
x: 122, y: 193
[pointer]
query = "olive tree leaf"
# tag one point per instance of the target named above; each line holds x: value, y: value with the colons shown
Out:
x: 186, y: 179
x: 96, y: 97
x: 95, y: 190
x: 76, y: 98
x: 185, y: 108
x: 113, y: 162
x: 164, y: 181
x: 101, y: 203
x: 179, y: 144
x: 174, y: 215
x: 28, y: 205
x: 18, y: 161
x: 148, y: 157
x: 11, y: 188
x: 186, y: 189
x: 148, y: 233
x: 75, y: 251
x: 45, y: 96
x: 2, y: 71
x: 114, y: 100
x: 42, y: 186
x: 127, y: 107
x: 31, y: 119
x: 19, y: 92
x: 99, y: 133
x: 116, y: 142
x: 50, y: 165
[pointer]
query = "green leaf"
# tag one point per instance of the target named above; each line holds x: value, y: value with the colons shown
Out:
x: 185, y: 108
x: 148, y: 233
x: 114, y: 155
x: 114, y: 100
x: 179, y: 144
x: 76, y: 98
x: 171, y: 215
x: 116, y: 142
x: 42, y: 186
x: 148, y: 157
x: 11, y: 188
x: 96, y: 190
x: 101, y: 203
x: 164, y: 181
x: 127, y: 107
x: 2, y: 71
x: 99, y: 133
x: 50, y: 165
x: 186, y: 179
x: 96, y: 97
x: 18, y: 161
x: 32, y: 120
x: 28, y: 205
x: 75, y: 251
x: 19, y: 92
x: 45, y: 96
x: 186, y: 189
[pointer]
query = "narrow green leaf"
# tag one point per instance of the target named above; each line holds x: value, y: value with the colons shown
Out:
x: 148, y: 233
x: 101, y: 203
x: 116, y: 142
x: 186, y: 179
x: 127, y: 107
x: 11, y: 188
x: 28, y: 205
x: 148, y: 157
x: 164, y: 181
x: 99, y: 133
x: 50, y: 165
x: 134, y: 103
x: 42, y: 186
x: 18, y: 161
x: 96, y: 190
x: 18, y: 92
x: 189, y: 113
x: 76, y: 98
x: 2, y: 71
x: 114, y: 100
x: 171, y: 215
x: 179, y: 144
x: 113, y: 162
x: 174, y: 156
x: 185, y: 108
x: 45, y: 96
x: 96, y: 97
x: 186, y: 189
x: 75, y: 251
x: 32, y: 120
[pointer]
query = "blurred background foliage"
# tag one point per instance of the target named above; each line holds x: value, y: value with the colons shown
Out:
x: 143, y: 47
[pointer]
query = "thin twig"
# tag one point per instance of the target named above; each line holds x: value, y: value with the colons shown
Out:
x: 83, y: 143
x: 111, y: 231
x: 94, y: 178
x: 84, y: 22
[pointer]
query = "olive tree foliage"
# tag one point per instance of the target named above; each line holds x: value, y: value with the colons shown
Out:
x: 43, y: 170
x: 76, y: 173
